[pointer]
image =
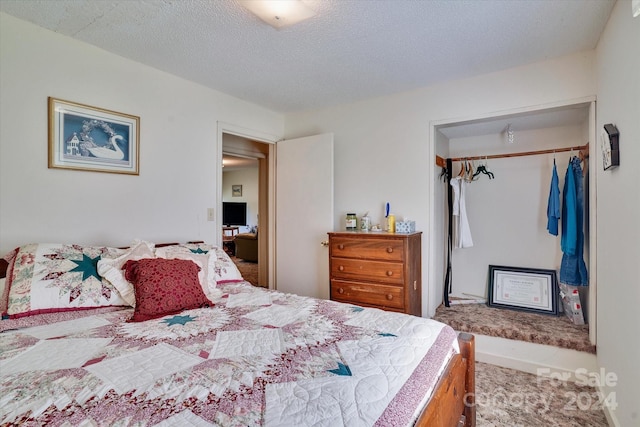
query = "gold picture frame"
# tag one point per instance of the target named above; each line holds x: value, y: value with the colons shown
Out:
x: 87, y: 138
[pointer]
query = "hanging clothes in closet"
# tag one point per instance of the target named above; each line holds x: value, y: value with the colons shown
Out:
x: 573, y: 270
x: 553, y: 206
x: 461, y: 230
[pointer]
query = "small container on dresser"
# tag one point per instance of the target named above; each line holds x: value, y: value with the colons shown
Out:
x: 382, y: 270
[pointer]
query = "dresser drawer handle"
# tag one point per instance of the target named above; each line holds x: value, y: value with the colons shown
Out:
x: 341, y: 268
x: 389, y: 250
x: 340, y: 291
x: 340, y: 246
x: 389, y: 297
x: 389, y: 273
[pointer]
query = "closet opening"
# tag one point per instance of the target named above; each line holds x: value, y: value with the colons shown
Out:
x: 511, y: 156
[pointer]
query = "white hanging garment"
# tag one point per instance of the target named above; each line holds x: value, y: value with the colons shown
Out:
x: 461, y: 231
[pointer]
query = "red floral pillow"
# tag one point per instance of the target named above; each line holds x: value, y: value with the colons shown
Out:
x: 164, y: 286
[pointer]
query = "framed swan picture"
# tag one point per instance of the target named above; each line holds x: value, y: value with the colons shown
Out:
x: 88, y: 138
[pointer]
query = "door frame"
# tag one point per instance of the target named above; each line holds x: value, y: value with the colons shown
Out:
x: 264, y: 137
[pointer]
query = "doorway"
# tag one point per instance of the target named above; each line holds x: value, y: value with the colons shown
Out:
x: 312, y: 194
x: 240, y: 218
x: 250, y: 158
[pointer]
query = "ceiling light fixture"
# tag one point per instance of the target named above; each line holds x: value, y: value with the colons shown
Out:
x: 279, y: 13
x: 510, y: 134
x: 635, y: 8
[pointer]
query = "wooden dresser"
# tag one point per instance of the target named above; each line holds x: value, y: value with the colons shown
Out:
x: 377, y: 269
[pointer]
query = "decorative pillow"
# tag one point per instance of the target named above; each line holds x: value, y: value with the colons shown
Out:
x: 194, y: 248
x: 111, y: 269
x: 206, y: 262
x: 224, y: 269
x: 164, y: 286
x: 4, y: 295
x: 50, y: 277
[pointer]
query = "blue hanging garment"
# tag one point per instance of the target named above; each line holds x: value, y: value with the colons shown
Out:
x: 553, y: 206
x: 573, y: 270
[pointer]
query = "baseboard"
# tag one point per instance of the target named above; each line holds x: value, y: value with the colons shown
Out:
x: 537, y: 359
x: 612, y: 420
x: 540, y: 359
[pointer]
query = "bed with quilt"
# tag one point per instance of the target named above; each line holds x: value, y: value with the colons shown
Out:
x: 172, y: 335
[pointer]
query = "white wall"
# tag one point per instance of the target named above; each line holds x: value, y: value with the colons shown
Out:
x: 248, y: 178
x: 178, y: 146
x: 618, y: 249
x: 507, y: 214
x: 382, y: 145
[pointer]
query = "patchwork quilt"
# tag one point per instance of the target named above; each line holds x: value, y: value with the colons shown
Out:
x: 256, y: 358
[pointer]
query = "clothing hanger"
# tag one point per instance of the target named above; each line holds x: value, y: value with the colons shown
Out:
x: 469, y: 171
x: 480, y: 169
x: 583, y: 159
x: 483, y: 169
x: 582, y: 156
x: 444, y: 175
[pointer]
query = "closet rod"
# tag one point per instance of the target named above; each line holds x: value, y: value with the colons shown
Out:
x: 583, y: 150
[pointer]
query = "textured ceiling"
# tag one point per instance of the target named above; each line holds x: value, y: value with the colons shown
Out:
x: 351, y: 50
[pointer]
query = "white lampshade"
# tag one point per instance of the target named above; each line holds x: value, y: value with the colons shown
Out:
x: 279, y: 13
x: 635, y: 8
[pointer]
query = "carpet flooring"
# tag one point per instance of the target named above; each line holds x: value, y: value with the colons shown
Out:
x: 557, y: 331
x: 509, y: 398
x: 249, y: 270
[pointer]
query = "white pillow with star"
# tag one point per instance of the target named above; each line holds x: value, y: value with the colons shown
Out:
x: 53, y: 277
x: 111, y: 268
x: 205, y: 260
x: 220, y: 264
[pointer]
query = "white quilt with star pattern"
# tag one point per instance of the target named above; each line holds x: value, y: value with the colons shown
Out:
x: 257, y: 358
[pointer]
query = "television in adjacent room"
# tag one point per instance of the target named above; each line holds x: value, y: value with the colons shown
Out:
x: 234, y: 213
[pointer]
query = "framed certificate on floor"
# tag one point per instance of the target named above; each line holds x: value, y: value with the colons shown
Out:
x: 527, y: 289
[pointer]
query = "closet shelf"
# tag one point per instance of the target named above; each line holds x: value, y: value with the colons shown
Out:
x: 583, y: 152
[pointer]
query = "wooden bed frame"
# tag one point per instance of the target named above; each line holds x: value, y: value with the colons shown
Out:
x: 453, y: 400
x: 452, y: 403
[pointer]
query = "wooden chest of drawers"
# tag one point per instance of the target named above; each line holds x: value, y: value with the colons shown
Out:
x: 377, y: 269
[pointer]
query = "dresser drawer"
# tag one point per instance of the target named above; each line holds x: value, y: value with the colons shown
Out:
x: 365, y: 270
x: 381, y: 249
x: 374, y: 269
x: 367, y: 294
